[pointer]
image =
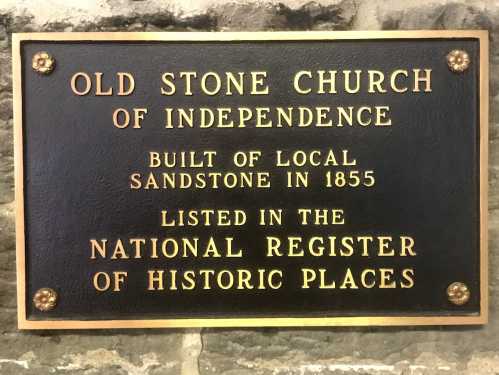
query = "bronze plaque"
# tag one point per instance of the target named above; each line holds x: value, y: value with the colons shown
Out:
x: 251, y: 179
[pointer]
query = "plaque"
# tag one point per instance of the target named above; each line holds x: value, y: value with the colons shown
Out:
x: 251, y: 179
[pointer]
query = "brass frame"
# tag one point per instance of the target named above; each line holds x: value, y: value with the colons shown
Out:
x: 23, y: 323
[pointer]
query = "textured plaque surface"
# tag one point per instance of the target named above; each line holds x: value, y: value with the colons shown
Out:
x: 75, y: 183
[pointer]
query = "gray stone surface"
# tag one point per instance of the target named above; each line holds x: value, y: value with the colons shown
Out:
x: 426, y: 350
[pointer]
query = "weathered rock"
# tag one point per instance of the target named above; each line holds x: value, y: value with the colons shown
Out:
x: 84, y: 353
x: 436, y: 16
x: 247, y: 17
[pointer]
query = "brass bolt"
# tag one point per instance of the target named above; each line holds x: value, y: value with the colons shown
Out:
x: 458, y: 293
x: 458, y: 60
x: 45, y: 299
x: 43, y: 63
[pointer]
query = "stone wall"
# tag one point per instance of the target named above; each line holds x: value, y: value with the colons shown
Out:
x: 424, y: 350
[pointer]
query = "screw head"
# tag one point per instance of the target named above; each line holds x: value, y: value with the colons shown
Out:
x: 45, y: 299
x: 43, y: 63
x: 458, y: 293
x: 458, y: 60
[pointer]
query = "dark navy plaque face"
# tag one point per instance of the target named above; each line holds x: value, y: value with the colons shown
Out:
x: 77, y: 169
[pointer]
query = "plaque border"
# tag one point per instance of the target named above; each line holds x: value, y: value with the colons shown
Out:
x: 468, y: 319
